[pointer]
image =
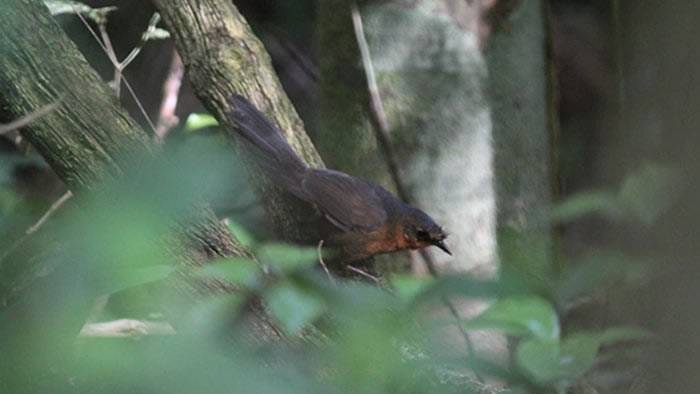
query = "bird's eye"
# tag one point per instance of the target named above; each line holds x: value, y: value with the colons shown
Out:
x: 422, y: 235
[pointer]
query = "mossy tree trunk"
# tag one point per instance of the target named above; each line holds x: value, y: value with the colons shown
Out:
x: 345, y: 136
x: 88, y: 140
x: 222, y: 56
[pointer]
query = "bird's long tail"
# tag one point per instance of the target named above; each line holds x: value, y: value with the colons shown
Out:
x: 271, y: 150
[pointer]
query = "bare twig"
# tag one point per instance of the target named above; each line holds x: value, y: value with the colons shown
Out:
x: 365, y: 274
x: 381, y: 126
x: 112, y: 55
x: 378, y: 116
x: 29, y: 118
x: 125, y: 328
x: 52, y: 209
x: 152, y: 23
x: 319, y: 250
x: 36, y: 226
x: 167, y: 119
x: 109, y: 51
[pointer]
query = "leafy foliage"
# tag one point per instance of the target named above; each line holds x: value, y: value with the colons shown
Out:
x: 349, y: 335
x: 642, y: 197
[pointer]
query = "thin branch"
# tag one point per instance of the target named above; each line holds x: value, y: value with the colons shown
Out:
x: 323, y: 263
x: 109, y: 51
x: 139, y: 105
x: 381, y: 126
x: 152, y: 26
x: 47, y: 215
x: 117, y: 80
x: 378, y: 116
x: 167, y: 119
x: 37, y: 225
x: 365, y: 274
x: 125, y: 328
x: 108, y: 47
x: 29, y: 118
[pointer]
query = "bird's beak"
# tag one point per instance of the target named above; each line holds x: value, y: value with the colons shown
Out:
x: 441, y: 245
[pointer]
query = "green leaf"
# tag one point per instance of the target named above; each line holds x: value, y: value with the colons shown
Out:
x: 293, y: 306
x: 597, y: 271
x: 519, y: 316
x: 213, y: 314
x: 583, y: 204
x: 242, y: 235
x: 287, y: 258
x: 238, y: 270
x: 132, y: 277
x: 9, y: 201
x: 649, y: 192
x: 527, y: 254
x: 622, y: 334
x: 407, y: 287
x: 577, y: 355
x: 197, y: 121
x: 643, y: 196
x: 550, y: 361
x: 539, y: 358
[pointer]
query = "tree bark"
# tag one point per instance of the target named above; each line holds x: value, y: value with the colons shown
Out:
x: 522, y: 133
x: 222, y: 56
x: 345, y: 136
x: 431, y: 81
x: 88, y: 140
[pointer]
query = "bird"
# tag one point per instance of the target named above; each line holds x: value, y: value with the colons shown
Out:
x: 363, y: 219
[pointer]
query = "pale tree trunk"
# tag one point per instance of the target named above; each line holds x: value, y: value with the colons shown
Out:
x: 431, y: 79
x: 440, y: 95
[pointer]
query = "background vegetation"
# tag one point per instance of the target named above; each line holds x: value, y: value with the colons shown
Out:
x: 141, y: 251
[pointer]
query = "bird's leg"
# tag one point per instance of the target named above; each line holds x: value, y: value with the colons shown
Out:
x: 319, y: 250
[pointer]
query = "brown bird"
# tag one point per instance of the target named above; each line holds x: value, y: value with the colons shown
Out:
x: 363, y: 218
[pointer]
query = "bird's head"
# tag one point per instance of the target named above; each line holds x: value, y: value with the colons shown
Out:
x: 420, y: 231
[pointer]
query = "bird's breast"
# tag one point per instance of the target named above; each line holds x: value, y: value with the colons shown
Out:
x: 384, y: 239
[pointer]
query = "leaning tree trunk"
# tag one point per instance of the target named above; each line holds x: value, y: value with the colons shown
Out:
x: 232, y: 60
x: 88, y: 140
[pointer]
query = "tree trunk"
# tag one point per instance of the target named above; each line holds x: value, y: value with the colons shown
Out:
x: 431, y: 82
x: 88, y: 140
x: 222, y: 56
x: 522, y: 133
x: 345, y: 136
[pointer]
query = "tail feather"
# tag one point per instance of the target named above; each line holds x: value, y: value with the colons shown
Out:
x: 276, y: 156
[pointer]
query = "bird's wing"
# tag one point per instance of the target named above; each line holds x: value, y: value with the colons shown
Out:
x: 349, y: 203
